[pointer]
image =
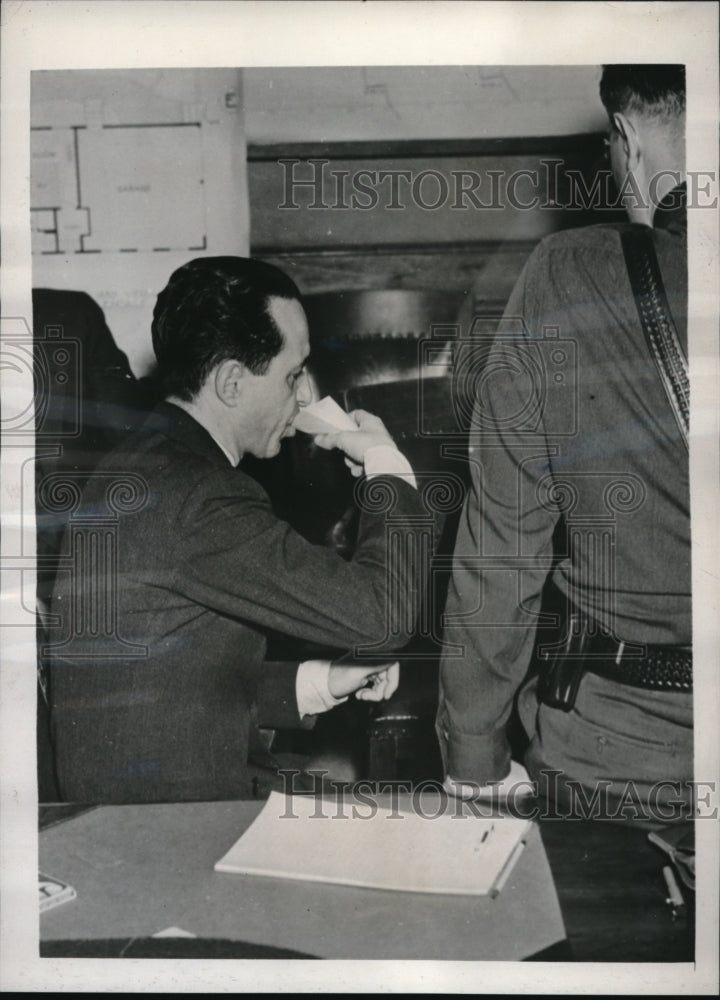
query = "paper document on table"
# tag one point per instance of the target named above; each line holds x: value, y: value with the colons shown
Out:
x: 324, y: 417
x: 367, y: 845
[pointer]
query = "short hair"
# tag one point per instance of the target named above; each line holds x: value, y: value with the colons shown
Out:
x: 653, y: 89
x: 213, y: 309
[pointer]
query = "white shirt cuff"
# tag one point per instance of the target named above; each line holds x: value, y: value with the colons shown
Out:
x: 386, y: 460
x: 312, y: 688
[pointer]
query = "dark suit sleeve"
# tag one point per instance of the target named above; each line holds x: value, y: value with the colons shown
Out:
x: 276, y: 702
x: 239, y: 559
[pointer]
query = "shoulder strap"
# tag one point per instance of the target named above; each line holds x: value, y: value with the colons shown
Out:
x: 657, y: 322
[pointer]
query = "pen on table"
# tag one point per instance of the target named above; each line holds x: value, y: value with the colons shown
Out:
x: 674, y: 897
x: 507, y: 868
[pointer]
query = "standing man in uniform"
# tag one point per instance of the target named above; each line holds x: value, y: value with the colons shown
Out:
x: 579, y: 463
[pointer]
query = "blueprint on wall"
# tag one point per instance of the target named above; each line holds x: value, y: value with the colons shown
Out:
x: 118, y: 188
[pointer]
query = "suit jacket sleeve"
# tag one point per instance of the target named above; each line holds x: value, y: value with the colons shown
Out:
x: 239, y: 559
x: 276, y: 701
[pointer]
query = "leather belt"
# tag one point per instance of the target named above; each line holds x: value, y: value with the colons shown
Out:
x: 588, y: 648
x: 662, y: 668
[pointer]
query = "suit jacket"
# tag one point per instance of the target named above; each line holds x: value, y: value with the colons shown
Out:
x: 87, y: 400
x: 176, y: 568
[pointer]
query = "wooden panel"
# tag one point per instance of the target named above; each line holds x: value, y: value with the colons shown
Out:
x: 491, y: 269
x: 387, y: 195
x: 559, y: 146
x: 386, y: 202
x: 457, y: 247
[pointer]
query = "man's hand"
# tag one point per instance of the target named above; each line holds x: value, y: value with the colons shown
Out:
x: 371, y: 433
x: 344, y: 679
x: 516, y: 783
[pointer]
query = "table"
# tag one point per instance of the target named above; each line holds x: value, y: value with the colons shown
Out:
x: 142, y: 869
x: 612, y: 893
x: 608, y: 879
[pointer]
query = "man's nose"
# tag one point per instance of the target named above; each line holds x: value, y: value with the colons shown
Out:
x: 304, y: 392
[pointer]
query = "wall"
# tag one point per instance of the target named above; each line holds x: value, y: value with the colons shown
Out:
x: 336, y: 104
x: 442, y: 121
x: 136, y: 171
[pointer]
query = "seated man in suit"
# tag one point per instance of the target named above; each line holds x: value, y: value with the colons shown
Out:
x: 178, y: 568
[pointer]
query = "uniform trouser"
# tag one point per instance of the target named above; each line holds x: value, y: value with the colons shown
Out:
x: 621, y: 752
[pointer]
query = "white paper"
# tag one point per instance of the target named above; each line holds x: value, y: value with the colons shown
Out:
x: 324, y: 417
x: 404, y: 852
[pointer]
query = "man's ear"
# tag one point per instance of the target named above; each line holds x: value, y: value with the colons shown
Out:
x: 229, y: 381
x: 629, y: 139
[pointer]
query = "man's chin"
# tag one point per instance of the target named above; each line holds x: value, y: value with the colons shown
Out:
x: 289, y: 432
x: 275, y: 444
x: 274, y: 447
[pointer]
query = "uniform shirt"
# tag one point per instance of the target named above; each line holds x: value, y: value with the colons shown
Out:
x: 579, y: 471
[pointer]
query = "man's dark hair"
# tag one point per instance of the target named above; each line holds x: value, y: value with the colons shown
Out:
x: 656, y: 90
x: 214, y: 309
